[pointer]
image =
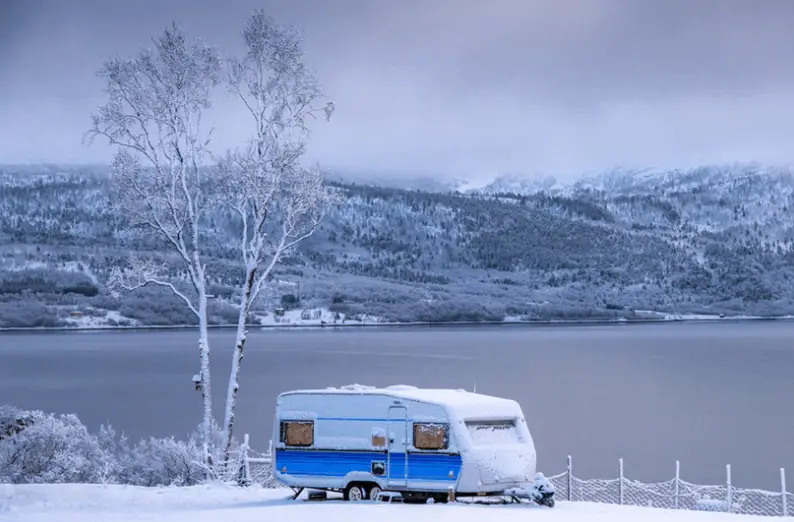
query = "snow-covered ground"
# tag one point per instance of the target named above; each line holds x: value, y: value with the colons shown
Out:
x: 213, y: 503
x: 314, y: 317
x: 665, y: 316
x: 111, y: 319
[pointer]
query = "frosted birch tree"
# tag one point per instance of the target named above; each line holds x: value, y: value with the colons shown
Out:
x: 277, y: 202
x: 153, y: 117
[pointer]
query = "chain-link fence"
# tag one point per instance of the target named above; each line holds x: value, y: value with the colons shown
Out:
x: 672, y: 494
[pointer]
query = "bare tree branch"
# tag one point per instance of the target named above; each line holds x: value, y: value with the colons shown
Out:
x: 140, y: 275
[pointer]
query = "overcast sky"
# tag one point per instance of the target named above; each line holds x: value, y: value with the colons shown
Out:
x: 450, y: 87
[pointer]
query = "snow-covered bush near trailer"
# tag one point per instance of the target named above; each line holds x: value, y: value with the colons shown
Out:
x: 157, y: 462
x: 38, y: 447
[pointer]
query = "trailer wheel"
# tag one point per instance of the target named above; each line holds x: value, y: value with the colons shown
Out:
x: 354, y: 493
x: 374, y: 493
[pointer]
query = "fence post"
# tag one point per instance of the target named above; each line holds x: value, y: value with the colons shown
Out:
x: 728, y: 481
x: 243, y: 466
x: 570, y: 478
x: 677, y: 479
x: 783, y: 490
x: 620, y: 481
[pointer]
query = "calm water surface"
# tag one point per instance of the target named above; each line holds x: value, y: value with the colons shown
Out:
x: 704, y: 394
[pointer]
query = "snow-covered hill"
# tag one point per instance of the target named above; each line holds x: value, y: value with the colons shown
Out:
x: 79, y: 503
x: 705, y: 241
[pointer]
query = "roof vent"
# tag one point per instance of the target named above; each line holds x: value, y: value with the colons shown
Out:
x: 356, y: 387
x: 401, y: 387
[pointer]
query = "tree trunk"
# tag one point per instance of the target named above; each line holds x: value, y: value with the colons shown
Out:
x: 237, y: 358
x: 206, y: 389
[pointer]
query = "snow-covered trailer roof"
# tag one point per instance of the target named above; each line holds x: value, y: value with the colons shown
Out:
x: 460, y: 403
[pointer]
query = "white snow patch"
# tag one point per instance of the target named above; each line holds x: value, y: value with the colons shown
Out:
x: 211, y: 503
x: 110, y: 319
x: 676, y: 317
x: 500, y: 452
x: 75, y: 266
x: 508, y: 463
x: 462, y: 404
x: 466, y: 405
x: 298, y: 415
x: 314, y: 317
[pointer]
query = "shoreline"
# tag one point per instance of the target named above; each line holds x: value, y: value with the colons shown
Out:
x: 417, y: 324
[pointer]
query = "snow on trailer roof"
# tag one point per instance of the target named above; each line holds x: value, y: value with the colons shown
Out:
x: 464, y: 404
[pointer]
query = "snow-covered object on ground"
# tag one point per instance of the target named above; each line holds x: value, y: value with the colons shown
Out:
x: 422, y: 442
x: 213, y: 503
x: 541, y: 491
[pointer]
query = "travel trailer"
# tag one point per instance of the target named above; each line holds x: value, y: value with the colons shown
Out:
x: 421, y: 443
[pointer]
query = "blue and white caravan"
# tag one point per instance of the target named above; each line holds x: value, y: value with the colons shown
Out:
x: 421, y: 443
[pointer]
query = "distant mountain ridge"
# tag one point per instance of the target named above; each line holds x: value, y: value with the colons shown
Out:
x: 717, y: 239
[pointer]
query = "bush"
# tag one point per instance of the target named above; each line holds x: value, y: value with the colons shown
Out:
x: 27, y: 313
x: 290, y: 301
x: 161, y: 462
x: 152, y: 305
x: 37, y: 448
x: 41, y: 281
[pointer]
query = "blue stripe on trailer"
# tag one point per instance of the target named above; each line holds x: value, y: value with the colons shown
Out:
x: 337, y: 464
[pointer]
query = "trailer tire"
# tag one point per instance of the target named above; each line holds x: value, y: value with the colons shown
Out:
x: 374, y: 492
x: 355, y: 492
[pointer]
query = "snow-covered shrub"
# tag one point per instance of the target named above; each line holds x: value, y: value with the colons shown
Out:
x: 162, y: 462
x: 41, y: 448
x: 38, y: 447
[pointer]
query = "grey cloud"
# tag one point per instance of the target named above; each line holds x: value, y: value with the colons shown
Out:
x: 603, y: 50
x: 452, y: 86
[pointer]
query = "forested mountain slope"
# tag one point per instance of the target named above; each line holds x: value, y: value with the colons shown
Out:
x: 711, y: 240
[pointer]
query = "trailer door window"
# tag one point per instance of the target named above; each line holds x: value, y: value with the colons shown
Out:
x: 297, y: 433
x: 493, y: 432
x: 430, y: 436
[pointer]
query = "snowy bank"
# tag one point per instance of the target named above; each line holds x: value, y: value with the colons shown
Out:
x: 314, y: 324
x: 210, y: 503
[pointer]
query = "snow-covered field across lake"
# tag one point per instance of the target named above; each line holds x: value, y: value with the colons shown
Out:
x: 213, y: 503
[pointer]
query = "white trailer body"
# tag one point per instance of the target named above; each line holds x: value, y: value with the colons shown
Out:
x: 422, y: 442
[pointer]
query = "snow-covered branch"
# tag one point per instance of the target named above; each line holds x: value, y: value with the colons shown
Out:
x: 144, y: 273
x: 275, y: 86
x: 153, y: 115
x: 298, y: 209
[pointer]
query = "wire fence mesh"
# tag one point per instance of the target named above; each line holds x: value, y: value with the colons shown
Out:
x: 672, y: 494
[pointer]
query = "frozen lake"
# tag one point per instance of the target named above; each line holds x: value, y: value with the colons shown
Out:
x: 704, y: 394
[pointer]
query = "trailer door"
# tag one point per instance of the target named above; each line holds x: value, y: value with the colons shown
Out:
x: 397, y: 455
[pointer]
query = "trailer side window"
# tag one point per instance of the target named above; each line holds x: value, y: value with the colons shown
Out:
x: 430, y: 436
x: 297, y: 433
